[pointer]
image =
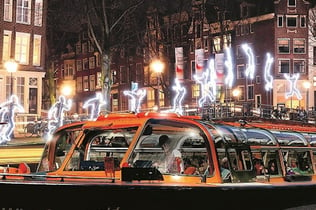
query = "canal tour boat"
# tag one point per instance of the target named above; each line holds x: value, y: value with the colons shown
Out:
x: 167, y: 161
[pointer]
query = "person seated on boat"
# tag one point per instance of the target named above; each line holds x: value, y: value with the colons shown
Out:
x: 272, y: 167
x: 259, y: 167
x: 294, y: 169
x: 173, y: 157
x: 225, y: 172
x: 190, y: 169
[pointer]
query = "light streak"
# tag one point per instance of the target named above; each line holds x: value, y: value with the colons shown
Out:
x: 7, y: 111
x: 229, y: 64
x: 137, y: 96
x: 293, y: 89
x: 177, y: 101
x: 56, y: 115
x: 95, y: 103
x: 250, y: 71
x: 268, y: 78
x: 208, y: 83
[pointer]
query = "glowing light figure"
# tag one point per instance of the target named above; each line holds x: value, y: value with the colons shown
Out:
x: 7, y: 111
x: 293, y: 89
x: 229, y: 64
x: 250, y: 71
x: 56, y: 114
x: 137, y: 96
x: 177, y: 101
x: 95, y: 103
x: 267, y: 73
x: 208, y: 83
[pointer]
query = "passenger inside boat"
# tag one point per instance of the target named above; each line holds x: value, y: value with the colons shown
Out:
x: 259, y: 167
x: 225, y: 172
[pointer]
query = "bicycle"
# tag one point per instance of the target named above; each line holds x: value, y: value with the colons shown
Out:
x: 35, y: 128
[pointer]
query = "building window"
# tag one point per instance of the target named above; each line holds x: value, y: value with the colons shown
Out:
x: 291, y: 3
x: 99, y: 80
x: 69, y: 71
x: 7, y: 10
x: 115, y: 77
x: 242, y: 93
x: 38, y: 14
x: 92, y: 82
x: 90, y: 47
x: 79, y: 65
x: 195, y: 90
x: 217, y: 44
x: 91, y: 63
x: 250, y: 92
x: 84, y: 48
x: 78, y: 48
x: 85, y: 64
x: 37, y: 50
x: 299, y: 66
x: 123, y: 74
x: 85, y: 83
x: 240, y: 71
x: 23, y: 11
x: 280, y: 20
x: 291, y: 21
x: 299, y: 46
x: 20, y: 82
x: 79, y: 84
x: 303, y: 21
x: 239, y: 52
x: 284, y: 45
x: 258, y: 79
x: 22, y: 45
x: 284, y: 66
x: 6, y: 51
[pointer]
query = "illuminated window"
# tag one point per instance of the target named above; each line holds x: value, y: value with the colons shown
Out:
x: 79, y: 65
x: 299, y: 46
x: 284, y: 45
x: 7, y: 10
x: 79, y: 84
x: 91, y: 63
x: 85, y: 83
x: 6, y: 51
x: 37, y: 50
x: 23, y: 11
x: 195, y: 90
x: 22, y: 45
x: 38, y: 14
x: 92, y: 82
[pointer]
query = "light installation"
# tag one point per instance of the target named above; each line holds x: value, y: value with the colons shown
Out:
x: 56, y: 114
x: 293, y: 89
x: 250, y: 71
x: 177, y: 101
x: 136, y: 95
x: 208, y: 84
x: 268, y: 78
x: 7, y: 111
x: 229, y: 65
x: 95, y: 103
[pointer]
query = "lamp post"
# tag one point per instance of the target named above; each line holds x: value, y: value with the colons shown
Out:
x: 11, y: 67
x: 158, y: 67
x: 307, y: 85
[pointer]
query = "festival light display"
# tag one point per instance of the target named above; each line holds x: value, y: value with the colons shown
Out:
x: 208, y: 83
x: 56, y: 114
x: 293, y: 83
x: 95, y: 103
x: 250, y: 71
x: 7, y: 111
x: 229, y: 65
x: 268, y: 78
x: 177, y: 101
x: 137, y: 96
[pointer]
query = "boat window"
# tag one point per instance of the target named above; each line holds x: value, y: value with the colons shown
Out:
x: 259, y: 137
x: 297, y: 162
x: 289, y: 138
x: 99, y: 147
x: 311, y: 138
x: 173, y: 148
x: 270, y: 161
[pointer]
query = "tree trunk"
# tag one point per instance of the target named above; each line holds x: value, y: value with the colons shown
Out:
x: 106, y: 81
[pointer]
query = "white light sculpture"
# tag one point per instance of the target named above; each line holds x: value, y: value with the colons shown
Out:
x: 293, y: 89
x: 250, y: 71
x: 268, y: 78
x: 229, y: 64
x: 177, y: 101
x: 7, y: 111
x: 56, y: 114
x: 95, y: 103
x: 208, y: 83
x: 137, y: 96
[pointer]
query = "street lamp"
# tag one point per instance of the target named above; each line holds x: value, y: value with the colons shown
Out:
x: 11, y: 67
x: 307, y: 85
x: 158, y: 67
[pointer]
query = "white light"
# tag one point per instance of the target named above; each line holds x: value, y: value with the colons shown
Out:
x: 137, y: 96
x: 250, y: 71
x: 229, y: 64
x: 7, y: 111
x: 177, y: 101
x: 95, y: 103
x: 208, y: 84
x: 293, y: 88
x: 268, y: 78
